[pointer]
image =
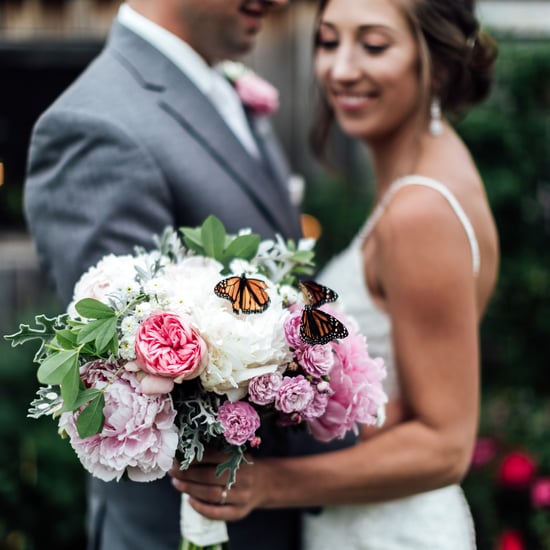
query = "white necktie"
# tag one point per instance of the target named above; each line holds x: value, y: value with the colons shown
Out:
x: 227, y: 102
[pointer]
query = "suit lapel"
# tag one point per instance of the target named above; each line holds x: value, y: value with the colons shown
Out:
x: 179, y: 97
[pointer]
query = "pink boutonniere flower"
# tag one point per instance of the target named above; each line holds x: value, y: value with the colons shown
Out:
x: 255, y: 93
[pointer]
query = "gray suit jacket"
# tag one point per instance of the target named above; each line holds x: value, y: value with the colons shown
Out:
x: 131, y: 147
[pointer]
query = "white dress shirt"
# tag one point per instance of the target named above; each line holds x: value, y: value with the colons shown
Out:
x: 207, y: 79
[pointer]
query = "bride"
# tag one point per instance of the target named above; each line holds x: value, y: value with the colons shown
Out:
x: 418, y: 277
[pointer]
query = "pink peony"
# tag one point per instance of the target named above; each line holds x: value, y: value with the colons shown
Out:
x: 294, y: 395
x: 239, y: 421
x: 316, y: 360
x: 540, y: 493
x: 356, y: 382
x: 517, y: 470
x: 167, y: 345
x: 262, y: 390
x: 257, y: 93
x: 138, y: 436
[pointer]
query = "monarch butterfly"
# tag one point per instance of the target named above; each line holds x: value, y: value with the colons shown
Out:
x: 319, y: 327
x: 316, y: 294
x: 246, y: 295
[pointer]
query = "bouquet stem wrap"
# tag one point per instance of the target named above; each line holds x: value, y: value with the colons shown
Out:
x: 199, y: 532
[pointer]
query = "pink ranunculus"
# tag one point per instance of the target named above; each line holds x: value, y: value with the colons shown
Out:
x: 138, y: 436
x: 257, y: 93
x: 295, y: 395
x: 517, y: 470
x: 318, y: 405
x: 167, y: 345
x: 316, y: 360
x: 239, y: 421
x: 356, y: 383
x: 262, y: 389
x: 485, y: 450
x: 540, y: 493
x: 292, y: 330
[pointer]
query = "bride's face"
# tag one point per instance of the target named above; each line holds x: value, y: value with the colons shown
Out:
x: 367, y: 63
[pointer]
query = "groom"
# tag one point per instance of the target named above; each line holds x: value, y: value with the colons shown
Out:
x: 149, y: 136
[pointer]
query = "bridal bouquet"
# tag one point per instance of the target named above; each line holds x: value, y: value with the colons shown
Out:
x: 194, y: 344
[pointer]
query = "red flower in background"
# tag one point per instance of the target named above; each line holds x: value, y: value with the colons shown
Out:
x: 485, y: 450
x: 517, y: 471
x: 540, y: 493
x: 510, y: 540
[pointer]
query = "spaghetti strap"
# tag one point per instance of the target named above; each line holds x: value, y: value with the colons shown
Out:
x: 414, y: 179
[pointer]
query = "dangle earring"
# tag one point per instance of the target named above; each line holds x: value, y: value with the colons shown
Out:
x: 436, y: 126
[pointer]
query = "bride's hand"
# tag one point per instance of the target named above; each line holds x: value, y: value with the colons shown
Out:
x: 208, y: 492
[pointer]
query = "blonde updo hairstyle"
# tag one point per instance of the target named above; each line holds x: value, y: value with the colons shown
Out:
x: 456, y: 58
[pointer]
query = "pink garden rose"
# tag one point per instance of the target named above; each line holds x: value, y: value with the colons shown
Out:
x: 138, y: 435
x: 167, y: 345
x: 295, y: 395
x: 239, y: 421
x: 262, y: 390
x: 257, y: 93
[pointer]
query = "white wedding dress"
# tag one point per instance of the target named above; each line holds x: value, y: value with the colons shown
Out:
x: 434, y: 520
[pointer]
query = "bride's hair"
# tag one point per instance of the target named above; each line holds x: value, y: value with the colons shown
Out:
x: 456, y: 58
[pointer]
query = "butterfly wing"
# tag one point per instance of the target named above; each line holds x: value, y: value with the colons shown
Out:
x: 246, y: 295
x: 319, y: 327
x: 316, y: 294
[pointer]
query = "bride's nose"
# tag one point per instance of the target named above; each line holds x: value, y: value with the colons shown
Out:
x: 345, y: 67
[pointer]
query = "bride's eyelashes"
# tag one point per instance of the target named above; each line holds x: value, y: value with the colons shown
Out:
x: 375, y: 49
x: 332, y: 44
x: 326, y: 44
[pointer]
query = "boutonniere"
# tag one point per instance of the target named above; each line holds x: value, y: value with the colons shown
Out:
x: 255, y: 93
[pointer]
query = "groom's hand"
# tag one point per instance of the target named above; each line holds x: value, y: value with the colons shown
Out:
x: 209, y: 494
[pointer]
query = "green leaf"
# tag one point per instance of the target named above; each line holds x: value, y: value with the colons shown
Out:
x: 90, y: 420
x: 70, y: 387
x: 213, y: 237
x: 192, y: 238
x: 84, y: 396
x: 54, y: 369
x: 66, y: 338
x: 244, y: 246
x: 303, y: 257
x: 100, y: 331
x: 193, y: 234
x: 94, y: 309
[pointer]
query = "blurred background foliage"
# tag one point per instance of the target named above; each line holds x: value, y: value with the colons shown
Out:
x: 41, y: 481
